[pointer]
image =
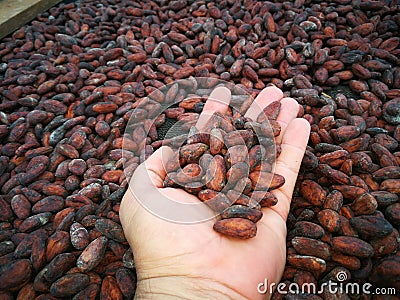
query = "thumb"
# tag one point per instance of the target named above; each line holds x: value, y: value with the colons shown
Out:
x: 151, y: 173
x: 145, y: 180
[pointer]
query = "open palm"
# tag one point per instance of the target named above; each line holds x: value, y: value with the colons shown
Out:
x: 190, y: 261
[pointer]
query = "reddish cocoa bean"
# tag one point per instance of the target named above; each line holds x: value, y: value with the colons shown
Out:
x: 69, y: 285
x: 92, y: 255
x: 236, y: 227
x: 15, y: 274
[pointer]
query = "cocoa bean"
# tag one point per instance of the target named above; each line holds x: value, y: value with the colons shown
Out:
x: 192, y: 152
x: 364, y: 205
x: 110, y: 290
x: 110, y: 229
x: 385, y: 269
x: 15, y: 274
x: 57, y: 243
x: 306, y: 262
x: 69, y: 285
x: 215, y: 175
x: 347, y: 261
x: 352, y: 246
x: 58, y: 266
x: 240, y: 211
x: 92, y: 254
x: 313, y: 192
x: 386, y: 245
x: 126, y: 281
x: 329, y: 219
x: 79, y: 236
x: 307, y: 229
x: 308, y: 246
x: 236, y: 227
x: 370, y: 226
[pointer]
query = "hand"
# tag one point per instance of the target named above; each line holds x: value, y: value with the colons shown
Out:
x: 193, y: 261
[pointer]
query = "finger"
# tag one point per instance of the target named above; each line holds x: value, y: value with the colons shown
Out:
x: 143, y: 185
x: 152, y: 171
x: 266, y: 96
x: 293, y: 145
x: 289, y: 111
x: 147, y: 178
x: 218, y: 101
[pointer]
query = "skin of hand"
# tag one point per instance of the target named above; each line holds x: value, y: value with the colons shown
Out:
x: 181, y: 261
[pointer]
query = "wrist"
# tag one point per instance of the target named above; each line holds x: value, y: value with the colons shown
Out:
x: 184, y: 287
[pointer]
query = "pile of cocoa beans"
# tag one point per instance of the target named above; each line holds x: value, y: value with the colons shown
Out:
x: 71, y: 79
x: 228, y: 164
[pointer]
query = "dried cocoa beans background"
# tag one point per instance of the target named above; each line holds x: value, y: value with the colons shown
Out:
x: 70, y: 80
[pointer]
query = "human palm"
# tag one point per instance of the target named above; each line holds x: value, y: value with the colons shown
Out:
x: 179, y: 260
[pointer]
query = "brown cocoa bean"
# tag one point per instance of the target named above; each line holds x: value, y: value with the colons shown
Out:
x: 59, y: 265
x: 329, y: 219
x: 216, y: 141
x: 21, y: 206
x: 386, y: 245
x: 216, y: 174
x: 347, y: 261
x: 352, y: 246
x: 92, y: 255
x: 364, y: 205
x: 110, y: 290
x: 313, y: 192
x: 240, y: 211
x: 15, y: 274
x: 306, y: 262
x: 236, y: 227
x: 191, y: 153
x: 79, y: 236
x: 264, y: 180
x: 370, y: 226
x: 307, y: 229
x: 110, y: 229
x: 126, y: 281
x: 69, y: 285
x: 57, y: 243
x: 307, y: 246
